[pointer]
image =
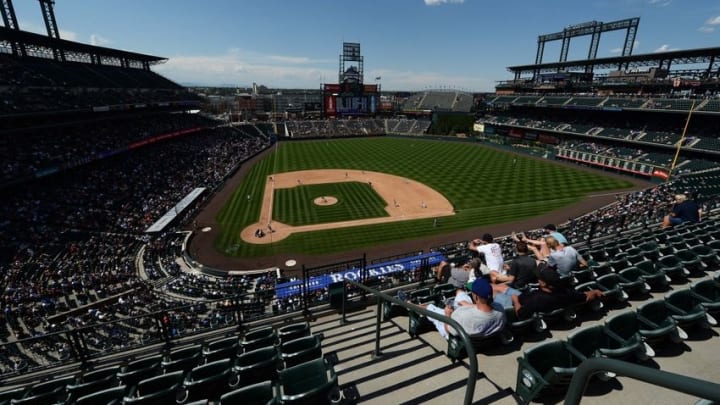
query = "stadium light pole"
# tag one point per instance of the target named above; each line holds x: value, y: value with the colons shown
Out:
x: 681, y: 142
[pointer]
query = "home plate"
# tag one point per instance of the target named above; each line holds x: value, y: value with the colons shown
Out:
x: 290, y: 263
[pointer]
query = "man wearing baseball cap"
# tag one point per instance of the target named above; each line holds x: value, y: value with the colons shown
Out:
x: 476, y: 318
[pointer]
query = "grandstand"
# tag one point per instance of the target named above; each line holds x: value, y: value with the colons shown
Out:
x: 95, y: 305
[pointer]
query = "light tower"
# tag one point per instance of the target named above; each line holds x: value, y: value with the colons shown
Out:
x: 51, y: 25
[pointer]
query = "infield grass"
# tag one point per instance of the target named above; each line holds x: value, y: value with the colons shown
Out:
x: 295, y: 206
x: 486, y: 186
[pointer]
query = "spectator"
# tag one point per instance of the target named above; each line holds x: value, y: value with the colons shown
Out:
x: 684, y: 210
x: 492, y: 252
x: 478, y: 318
x: 564, y: 259
x: 551, y: 230
x: 442, y: 272
x: 553, y: 293
x: 522, y: 270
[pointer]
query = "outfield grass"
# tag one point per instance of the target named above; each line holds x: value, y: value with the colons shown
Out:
x: 294, y: 206
x: 486, y: 186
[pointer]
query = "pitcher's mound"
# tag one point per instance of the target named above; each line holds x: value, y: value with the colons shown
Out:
x: 325, y: 201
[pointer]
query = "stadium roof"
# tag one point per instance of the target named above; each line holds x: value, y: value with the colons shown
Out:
x: 37, y: 41
x: 659, y: 59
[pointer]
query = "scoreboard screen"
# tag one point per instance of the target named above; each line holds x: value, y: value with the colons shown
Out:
x: 350, y: 99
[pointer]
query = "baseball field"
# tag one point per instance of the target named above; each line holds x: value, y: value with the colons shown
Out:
x: 318, y: 197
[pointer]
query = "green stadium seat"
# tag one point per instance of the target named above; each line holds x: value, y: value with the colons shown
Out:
x: 138, y: 370
x: 258, y: 338
x: 47, y: 392
x: 262, y: 393
x: 456, y: 348
x: 656, y: 324
x: 708, y: 294
x: 208, y: 381
x: 687, y: 310
x: 108, y: 396
x: 256, y: 366
x: 545, y: 369
x: 92, y: 381
x: 652, y: 274
x: 300, y: 350
x: 294, y: 331
x: 182, y: 359
x: 308, y: 383
x: 14, y: 393
x: 625, y: 329
x: 673, y: 267
x: 594, y: 341
x: 162, y: 389
x: 221, y: 349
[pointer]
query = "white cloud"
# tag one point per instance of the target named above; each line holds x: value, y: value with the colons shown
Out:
x: 706, y: 29
x: 241, y: 68
x: 713, y: 21
x: 665, y: 48
x: 69, y: 35
x: 441, y: 2
x: 97, y: 40
x: 238, y: 67
x: 659, y: 3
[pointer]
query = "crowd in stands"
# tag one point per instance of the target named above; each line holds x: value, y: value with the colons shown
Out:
x: 33, y: 149
x: 71, y: 239
x: 701, y: 134
x: 335, y: 128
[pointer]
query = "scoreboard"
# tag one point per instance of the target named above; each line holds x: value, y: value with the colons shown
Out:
x: 350, y: 99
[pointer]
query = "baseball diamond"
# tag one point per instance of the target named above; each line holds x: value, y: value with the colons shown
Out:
x: 480, y: 185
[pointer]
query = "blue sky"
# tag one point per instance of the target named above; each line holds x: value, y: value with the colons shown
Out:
x: 410, y: 44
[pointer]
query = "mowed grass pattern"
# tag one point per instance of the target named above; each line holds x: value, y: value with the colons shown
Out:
x: 486, y: 186
x: 295, y: 206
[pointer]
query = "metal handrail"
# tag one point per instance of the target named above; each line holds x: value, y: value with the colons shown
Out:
x: 472, y: 357
x: 677, y: 382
